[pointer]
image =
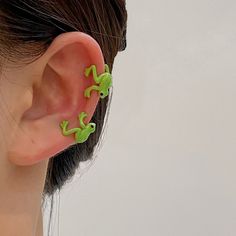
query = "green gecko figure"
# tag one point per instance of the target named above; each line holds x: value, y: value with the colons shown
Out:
x: 103, y: 81
x: 81, y: 134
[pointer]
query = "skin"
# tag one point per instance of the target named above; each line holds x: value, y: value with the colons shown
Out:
x: 103, y: 81
x: 34, y: 100
x: 81, y: 134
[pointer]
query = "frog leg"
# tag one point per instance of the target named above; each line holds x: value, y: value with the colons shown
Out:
x: 81, y: 117
x: 88, y: 70
x: 87, y: 92
x: 64, y: 126
x: 93, y: 68
x: 107, y: 68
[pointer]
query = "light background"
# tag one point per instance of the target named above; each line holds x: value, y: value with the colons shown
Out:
x: 168, y: 163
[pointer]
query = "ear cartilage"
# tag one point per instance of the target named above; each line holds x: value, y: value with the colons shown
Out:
x: 82, y: 133
x: 103, y: 81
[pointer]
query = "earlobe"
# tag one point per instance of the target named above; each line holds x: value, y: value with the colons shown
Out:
x: 59, y: 96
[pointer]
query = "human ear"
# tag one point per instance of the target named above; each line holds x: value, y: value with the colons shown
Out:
x: 58, y: 94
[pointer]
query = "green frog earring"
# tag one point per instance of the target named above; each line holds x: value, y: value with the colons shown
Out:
x: 82, y: 133
x: 103, y: 81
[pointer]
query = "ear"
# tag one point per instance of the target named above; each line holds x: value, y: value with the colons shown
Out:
x: 58, y: 94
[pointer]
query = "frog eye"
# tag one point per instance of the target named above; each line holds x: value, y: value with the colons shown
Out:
x: 101, y: 94
x: 92, y: 126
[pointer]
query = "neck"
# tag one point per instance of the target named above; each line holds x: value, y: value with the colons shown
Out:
x: 39, y: 229
x: 20, y: 198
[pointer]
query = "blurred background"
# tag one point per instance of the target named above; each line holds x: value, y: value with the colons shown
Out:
x: 167, y: 166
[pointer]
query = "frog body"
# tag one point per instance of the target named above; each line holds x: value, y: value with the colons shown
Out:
x: 81, y: 134
x: 103, y: 81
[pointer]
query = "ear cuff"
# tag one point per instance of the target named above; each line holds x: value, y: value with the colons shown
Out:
x: 102, y: 84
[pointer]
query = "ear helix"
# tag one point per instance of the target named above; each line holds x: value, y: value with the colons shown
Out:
x: 103, y: 83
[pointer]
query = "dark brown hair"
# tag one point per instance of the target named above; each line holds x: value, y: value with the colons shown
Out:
x: 28, y: 27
